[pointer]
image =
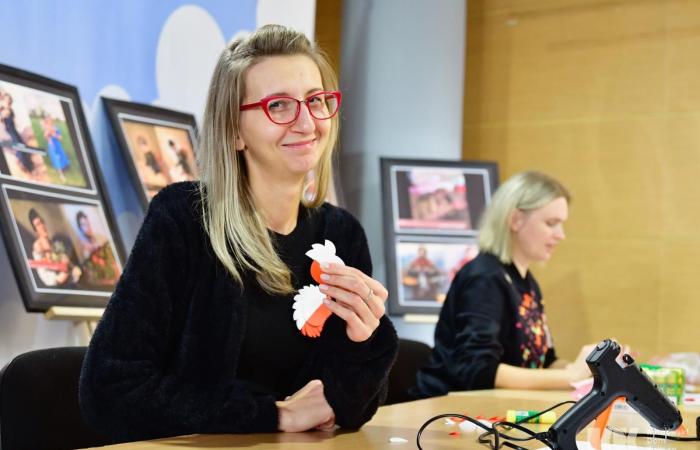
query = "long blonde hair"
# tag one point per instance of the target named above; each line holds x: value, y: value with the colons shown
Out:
x: 237, y: 232
x: 524, y: 191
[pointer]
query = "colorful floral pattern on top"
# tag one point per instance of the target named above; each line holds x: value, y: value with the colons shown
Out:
x: 533, y: 327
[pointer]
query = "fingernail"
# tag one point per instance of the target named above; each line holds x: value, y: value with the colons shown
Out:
x: 325, y: 266
x: 327, y: 301
x: 323, y: 287
x: 325, y: 277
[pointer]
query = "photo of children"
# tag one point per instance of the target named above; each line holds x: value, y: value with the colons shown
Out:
x: 426, y: 269
x: 432, y: 198
x: 65, y: 241
x: 36, y: 138
x: 161, y: 154
x: 436, y: 199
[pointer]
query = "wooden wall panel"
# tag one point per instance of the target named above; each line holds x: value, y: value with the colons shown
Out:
x: 329, y: 21
x: 604, y: 95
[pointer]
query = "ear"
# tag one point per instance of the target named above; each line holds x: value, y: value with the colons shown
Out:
x: 240, y: 143
x: 516, y: 220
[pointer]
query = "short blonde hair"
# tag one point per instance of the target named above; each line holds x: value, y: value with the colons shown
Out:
x: 237, y: 232
x: 524, y: 191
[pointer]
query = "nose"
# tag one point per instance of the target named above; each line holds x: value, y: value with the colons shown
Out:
x: 559, y: 234
x: 305, y: 121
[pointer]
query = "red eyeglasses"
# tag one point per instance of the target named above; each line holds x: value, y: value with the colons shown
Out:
x: 283, y: 110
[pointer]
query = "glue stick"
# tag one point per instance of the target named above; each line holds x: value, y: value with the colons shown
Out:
x: 515, y: 416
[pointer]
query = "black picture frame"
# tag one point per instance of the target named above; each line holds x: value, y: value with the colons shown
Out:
x: 48, y: 166
x: 159, y: 145
x: 431, y: 214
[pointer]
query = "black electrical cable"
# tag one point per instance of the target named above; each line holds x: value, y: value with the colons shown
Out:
x: 493, y: 430
x: 654, y: 436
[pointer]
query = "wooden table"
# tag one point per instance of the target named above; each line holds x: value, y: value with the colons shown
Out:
x: 401, y: 420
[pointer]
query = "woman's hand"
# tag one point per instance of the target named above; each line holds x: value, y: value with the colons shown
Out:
x: 306, y: 409
x: 359, y: 299
x: 578, y: 370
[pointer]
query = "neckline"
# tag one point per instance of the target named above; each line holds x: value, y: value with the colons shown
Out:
x: 301, y: 220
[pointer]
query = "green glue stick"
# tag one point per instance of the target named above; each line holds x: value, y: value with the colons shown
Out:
x: 515, y: 416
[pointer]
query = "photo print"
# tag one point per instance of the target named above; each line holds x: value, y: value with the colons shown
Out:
x: 159, y: 145
x: 63, y: 245
x: 40, y: 140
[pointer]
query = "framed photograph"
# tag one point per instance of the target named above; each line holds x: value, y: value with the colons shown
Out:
x: 158, y: 144
x: 431, y: 215
x: 57, y: 225
x: 43, y: 138
x: 422, y: 269
x: 62, y: 248
x: 436, y: 197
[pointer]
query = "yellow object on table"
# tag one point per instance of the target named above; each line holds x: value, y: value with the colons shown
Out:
x: 669, y: 380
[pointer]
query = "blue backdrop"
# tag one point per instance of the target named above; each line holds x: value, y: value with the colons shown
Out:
x: 158, y: 52
x: 95, y: 43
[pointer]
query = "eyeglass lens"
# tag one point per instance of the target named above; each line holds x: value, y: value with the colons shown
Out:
x: 286, y: 109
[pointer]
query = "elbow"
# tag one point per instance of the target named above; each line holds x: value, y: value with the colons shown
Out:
x: 91, y: 407
x: 481, y: 375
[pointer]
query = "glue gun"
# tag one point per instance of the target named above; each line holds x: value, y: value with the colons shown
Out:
x: 611, y: 381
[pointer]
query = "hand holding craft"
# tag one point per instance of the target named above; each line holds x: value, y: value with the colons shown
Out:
x: 359, y: 299
x: 345, y: 291
x: 310, y: 313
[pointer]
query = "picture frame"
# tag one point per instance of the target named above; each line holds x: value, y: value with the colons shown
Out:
x: 158, y: 145
x: 44, y: 139
x: 62, y: 247
x: 423, y: 268
x: 431, y: 213
x: 58, y: 226
x: 436, y: 197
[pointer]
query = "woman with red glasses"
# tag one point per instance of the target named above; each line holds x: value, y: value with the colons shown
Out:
x: 206, y: 331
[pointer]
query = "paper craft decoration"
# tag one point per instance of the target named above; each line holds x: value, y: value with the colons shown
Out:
x: 310, y: 313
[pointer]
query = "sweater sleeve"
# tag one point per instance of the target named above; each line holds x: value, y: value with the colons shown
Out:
x: 478, y: 315
x: 129, y: 389
x: 355, y: 374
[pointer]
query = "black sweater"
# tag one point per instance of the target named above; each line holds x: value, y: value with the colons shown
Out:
x: 491, y: 315
x: 165, y: 358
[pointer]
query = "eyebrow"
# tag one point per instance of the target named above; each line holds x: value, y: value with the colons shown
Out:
x: 286, y: 94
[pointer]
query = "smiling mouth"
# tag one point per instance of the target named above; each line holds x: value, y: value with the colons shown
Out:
x: 301, y: 144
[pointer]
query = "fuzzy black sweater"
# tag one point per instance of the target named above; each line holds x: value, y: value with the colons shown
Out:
x: 166, y: 357
x: 491, y: 315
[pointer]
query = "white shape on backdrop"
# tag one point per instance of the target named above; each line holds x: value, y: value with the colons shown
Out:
x: 298, y: 14
x: 184, y: 64
x: 127, y: 222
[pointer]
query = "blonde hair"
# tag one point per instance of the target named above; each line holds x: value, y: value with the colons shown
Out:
x: 237, y: 232
x: 525, y: 191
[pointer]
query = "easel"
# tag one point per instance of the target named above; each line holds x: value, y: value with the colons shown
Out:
x: 84, y: 319
x: 421, y: 318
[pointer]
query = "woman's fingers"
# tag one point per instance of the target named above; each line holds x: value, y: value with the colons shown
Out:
x: 370, y: 291
x: 357, y: 299
x: 349, y: 300
x: 357, y: 329
x: 305, y: 409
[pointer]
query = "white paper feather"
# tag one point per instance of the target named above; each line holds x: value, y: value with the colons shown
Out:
x: 306, y: 302
x: 324, y: 253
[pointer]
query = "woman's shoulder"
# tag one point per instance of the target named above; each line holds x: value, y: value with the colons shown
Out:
x: 179, y: 202
x: 183, y: 195
x: 338, y: 219
x: 485, y: 265
x: 179, y: 191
